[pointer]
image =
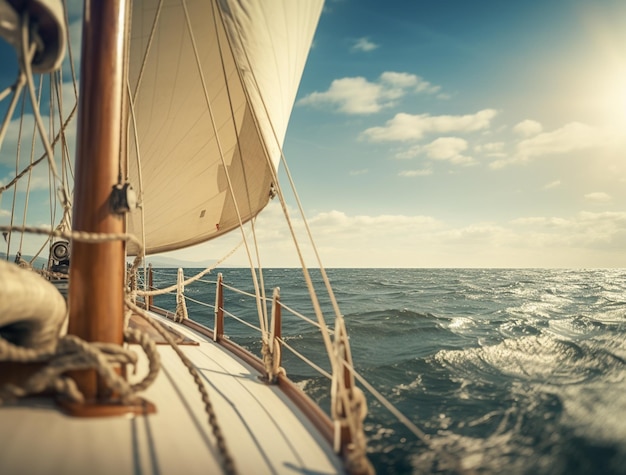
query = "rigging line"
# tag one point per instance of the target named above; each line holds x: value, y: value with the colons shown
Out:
x: 306, y: 360
x: 307, y: 277
x: 65, y: 162
x: 265, y: 323
x: 36, y: 255
x: 293, y: 187
x: 198, y: 276
x: 41, y: 158
x: 17, y: 166
x: 259, y: 289
x: 340, y: 351
x: 147, y: 50
x: 81, y: 236
x: 28, y: 180
x: 228, y: 462
x: 53, y: 196
x: 219, y: 145
x: 65, y: 153
x: 69, y: 49
x: 51, y: 182
x: 260, y: 267
x: 122, y: 159
x: 419, y: 433
x: 133, y: 124
x: 27, y: 57
x: 17, y: 91
x: 5, y: 92
x: 298, y: 202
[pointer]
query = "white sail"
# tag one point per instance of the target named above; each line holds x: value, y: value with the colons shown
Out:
x: 213, y: 92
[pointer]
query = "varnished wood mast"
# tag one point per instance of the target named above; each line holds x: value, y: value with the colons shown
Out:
x: 96, y: 292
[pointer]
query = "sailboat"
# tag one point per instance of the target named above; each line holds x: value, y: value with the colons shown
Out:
x: 182, y: 110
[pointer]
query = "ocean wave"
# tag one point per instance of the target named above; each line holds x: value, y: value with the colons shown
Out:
x: 539, y: 359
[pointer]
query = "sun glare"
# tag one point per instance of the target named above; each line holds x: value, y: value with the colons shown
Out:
x: 613, y: 100
x: 608, y: 68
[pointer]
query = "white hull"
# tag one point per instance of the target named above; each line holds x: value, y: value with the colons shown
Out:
x: 264, y: 431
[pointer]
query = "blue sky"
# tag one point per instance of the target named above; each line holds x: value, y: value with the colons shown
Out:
x: 461, y: 133
x: 458, y: 134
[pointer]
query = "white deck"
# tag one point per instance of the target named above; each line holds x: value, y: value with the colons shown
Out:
x: 264, y: 431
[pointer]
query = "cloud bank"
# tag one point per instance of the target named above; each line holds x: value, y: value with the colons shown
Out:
x: 358, y: 96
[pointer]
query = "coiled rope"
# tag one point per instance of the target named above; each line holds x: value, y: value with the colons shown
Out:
x: 71, y: 353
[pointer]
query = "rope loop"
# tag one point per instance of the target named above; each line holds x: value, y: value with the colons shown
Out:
x: 73, y: 353
x: 271, y: 360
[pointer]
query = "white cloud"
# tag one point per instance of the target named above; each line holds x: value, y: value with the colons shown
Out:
x: 406, y: 80
x: 583, y: 240
x: 349, y: 95
x: 419, y: 172
x: 526, y: 128
x: 364, y: 44
x: 491, y: 149
x: 598, y: 197
x: 406, y: 127
x: 586, y: 230
x: 552, y: 184
x: 357, y: 95
x: 448, y: 148
x: 540, y: 221
x: 571, y: 137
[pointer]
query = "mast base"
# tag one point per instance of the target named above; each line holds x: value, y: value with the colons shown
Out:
x: 140, y: 407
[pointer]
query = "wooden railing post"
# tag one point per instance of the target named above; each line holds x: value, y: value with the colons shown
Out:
x: 276, y: 323
x: 352, y: 445
x: 218, y: 331
x: 150, y: 298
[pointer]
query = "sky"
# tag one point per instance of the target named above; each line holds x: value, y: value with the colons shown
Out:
x: 465, y: 134
x: 456, y: 134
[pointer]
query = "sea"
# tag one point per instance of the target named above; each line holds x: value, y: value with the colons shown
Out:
x: 514, y: 371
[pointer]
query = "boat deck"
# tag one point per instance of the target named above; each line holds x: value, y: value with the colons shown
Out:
x: 264, y: 431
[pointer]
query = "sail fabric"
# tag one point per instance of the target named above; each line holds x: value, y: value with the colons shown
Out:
x: 211, y: 99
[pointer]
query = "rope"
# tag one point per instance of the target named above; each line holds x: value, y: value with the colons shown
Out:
x: 198, y: 276
x: 82, y: 236
x: 17, y: 90
x: 26, y: 67
x: 271, y: 361
x: 260, y: 312
x: 42, y: 157
x: 73, y: 354
x: 420, y: 434
x: 340, y: 351
x: 17, y: 161
x: 181, y: 307
x: 32, y: 153
x: 227, y: 460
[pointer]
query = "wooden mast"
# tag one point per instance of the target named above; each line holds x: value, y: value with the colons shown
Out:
x: 96, y: 290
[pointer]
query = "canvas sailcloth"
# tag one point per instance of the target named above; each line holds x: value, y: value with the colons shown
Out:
x: 213, y: 84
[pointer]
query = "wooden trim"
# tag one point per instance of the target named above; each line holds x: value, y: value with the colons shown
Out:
x: 311, y: 411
